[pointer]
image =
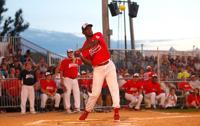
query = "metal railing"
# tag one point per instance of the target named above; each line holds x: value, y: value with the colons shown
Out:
x: 37, y: 52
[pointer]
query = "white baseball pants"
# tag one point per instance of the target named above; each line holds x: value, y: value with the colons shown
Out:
x: 100, y: 73
x: 44, y: 98
x: 153, y: 98
x: 134, y: 100
x: 71, y: 85
x: 27, y: 93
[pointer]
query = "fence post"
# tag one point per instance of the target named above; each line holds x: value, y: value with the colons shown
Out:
x: 49, y: 58
x: 158, y: 64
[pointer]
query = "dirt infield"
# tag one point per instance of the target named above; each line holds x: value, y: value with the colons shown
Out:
x: 128, y: 118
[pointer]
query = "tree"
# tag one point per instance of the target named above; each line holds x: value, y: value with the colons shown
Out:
x: 2, y: 9
x: 7, y: 26
x: 11, y: 27
x: 19, y: 25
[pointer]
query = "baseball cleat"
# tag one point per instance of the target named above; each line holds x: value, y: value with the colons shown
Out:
x: 116, y: 117
x: 84, y: 115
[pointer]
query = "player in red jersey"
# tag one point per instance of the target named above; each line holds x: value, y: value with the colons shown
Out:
x: 49, y: 89
x: 153, y: 93
x: 68, y: 72
x: 185, y: 87
x: 193, y: 99
x: 133, y: 91
x: 95, y: 52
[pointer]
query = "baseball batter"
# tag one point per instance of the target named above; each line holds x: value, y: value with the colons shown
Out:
x: 68, y: 72
x: 95, y: 52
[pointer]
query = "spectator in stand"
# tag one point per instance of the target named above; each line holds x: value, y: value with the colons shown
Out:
x: 17, y: 72
x: 171, y: 99
x: 183, y: 73
x: 133, y: 91
x: 1, y: 58
x: 4, y: 70
x: 153, y: 93
x: 39, y: 75
x: 197, y: 64
x: 194, y: 82
x: 19, y: 56
x: 164, y: 67
x: 185, y: 88
x: 141, y: 73
x: 42, y: 65
x: 193, y: 99
x: 28, y: 80
x: 17, y: 64
x: 28, y: 58
x: 12, y: 73
x: 49, y: 89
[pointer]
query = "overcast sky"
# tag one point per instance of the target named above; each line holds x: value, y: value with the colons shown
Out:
x: 157, y: 19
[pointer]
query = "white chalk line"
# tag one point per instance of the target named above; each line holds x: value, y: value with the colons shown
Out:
x: 164, y: 117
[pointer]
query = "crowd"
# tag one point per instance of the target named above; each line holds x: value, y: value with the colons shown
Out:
x: 178, y: 82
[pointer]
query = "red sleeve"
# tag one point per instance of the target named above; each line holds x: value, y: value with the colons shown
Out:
x: 61, y: 65
x: 99, y: 36
x: 126, y: 85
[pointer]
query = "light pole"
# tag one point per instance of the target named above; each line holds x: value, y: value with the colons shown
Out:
x: 133, y: 9
x: 131, y: 28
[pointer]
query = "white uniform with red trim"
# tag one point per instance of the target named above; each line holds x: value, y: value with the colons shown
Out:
x: 69, y: 67
x: 132, y: 93
x: 103, y: 68
x: 49, y: 87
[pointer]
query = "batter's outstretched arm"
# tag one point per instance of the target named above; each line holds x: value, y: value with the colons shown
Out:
x: 85, y: 61
x: 95, y: 42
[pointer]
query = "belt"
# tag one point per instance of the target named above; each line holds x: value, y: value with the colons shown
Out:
x: 104, y: 63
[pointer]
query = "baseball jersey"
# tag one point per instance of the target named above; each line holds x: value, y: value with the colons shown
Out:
x: 28, y: 77
x: 153, y: 87
x: 69, y: 67
x: 192, y: 98
x: 98, y: 53
x: 133, y: 87
x: 48, y: 85
x: 184, y: 86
